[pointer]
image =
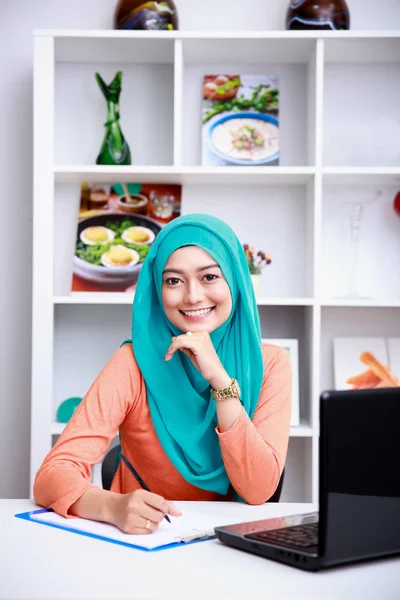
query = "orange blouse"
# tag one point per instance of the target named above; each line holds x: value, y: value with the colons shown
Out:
x: 253, y: 451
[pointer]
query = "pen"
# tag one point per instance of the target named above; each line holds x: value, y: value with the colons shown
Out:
x: 139, y: 479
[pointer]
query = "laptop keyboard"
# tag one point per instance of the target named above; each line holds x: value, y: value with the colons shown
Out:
x: 299, y: 536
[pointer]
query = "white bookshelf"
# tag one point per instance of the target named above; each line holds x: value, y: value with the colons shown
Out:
x: 340, y: 130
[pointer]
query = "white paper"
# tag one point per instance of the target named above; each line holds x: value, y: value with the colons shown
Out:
x: 188, y: 524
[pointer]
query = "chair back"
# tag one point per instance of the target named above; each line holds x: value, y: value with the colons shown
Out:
x: 109, y: 467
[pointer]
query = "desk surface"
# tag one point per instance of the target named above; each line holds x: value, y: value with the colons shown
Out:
x: 43, y: 562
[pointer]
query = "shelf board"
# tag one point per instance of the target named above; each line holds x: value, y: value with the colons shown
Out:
x: 124, y: 298
x: 207, y: 35
x: 361, y: 175
x: 118, y: 46
x: 303, y: 430
x: 354, y: 303
x: 279, y: 301
x: 184, y: 175
x: 94, y: 298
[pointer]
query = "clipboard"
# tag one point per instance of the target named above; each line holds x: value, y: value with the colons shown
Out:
x: 102, y: 531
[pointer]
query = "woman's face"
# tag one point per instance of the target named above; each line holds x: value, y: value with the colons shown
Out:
x: 195, y: 295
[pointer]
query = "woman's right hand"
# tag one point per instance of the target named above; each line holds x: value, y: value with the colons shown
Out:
x: 140, y: 512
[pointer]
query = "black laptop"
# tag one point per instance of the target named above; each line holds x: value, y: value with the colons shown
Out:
x: 359, y: 489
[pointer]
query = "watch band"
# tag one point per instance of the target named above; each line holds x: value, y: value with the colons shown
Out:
x: 233, y: 391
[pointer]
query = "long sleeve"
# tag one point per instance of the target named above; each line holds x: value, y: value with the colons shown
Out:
x: 254, y: 451
x: 66, y: 471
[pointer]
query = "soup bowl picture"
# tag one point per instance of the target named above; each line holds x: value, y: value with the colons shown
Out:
x: 110, y: 248
x: 245, y: 138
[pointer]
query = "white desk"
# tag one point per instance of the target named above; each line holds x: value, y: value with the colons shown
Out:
x: 42, y: 562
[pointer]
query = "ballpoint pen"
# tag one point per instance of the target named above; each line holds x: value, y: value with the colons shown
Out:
x: 139, y: 479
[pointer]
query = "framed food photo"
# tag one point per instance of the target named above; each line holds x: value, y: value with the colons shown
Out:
x: 292, y: 347
x: 116, y: 227
x: 240, y: 120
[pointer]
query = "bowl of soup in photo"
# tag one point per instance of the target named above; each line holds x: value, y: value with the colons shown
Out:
x: 245, y: 138
x: 136, y: 203
x: 111, y: 247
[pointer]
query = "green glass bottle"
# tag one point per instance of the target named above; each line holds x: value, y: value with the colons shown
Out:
x: 114, y: 149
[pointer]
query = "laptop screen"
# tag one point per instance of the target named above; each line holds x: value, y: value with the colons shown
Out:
x: 359, y: 473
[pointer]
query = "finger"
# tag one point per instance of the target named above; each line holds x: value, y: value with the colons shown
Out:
x: 138, y: 525
x: 174, y: 510
x: 186, y: 351
x: 155, y: 501
x: 153, y: 514
x: 140, y: 531
x: 179, y: 343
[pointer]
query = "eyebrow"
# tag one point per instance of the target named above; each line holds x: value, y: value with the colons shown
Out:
x: 199, y: 269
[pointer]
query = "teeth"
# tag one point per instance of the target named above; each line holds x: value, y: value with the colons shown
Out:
x: 196, y: 313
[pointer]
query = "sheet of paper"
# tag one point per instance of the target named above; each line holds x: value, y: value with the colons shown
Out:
x: 189, y: 523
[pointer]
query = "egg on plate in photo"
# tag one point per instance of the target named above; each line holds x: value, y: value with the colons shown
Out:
x: 119, y: 256
x: 138, y: 235
x: 92, y: 236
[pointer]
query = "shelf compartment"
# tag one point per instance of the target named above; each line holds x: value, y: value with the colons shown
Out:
x: 293, y: 322
x: 378, y: 260
x: 292, y: 61
x: 298, y: 471
x: 184, y: 175
x: 147, y: 115
x: 276, y: 219
x: 361, y: 116
x: 353, y: 322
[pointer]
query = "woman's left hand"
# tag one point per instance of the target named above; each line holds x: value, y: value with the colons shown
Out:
x: 200, y: 349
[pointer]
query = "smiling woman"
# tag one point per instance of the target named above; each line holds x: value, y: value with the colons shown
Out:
x: 203, y: 409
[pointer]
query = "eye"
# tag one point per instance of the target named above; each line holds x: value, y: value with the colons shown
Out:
x: 210, y: 277
x: 172, y: 280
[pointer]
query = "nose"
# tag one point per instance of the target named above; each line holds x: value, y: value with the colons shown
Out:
x: 194, y: 292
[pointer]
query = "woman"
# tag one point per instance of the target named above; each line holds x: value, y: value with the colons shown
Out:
x: 203, y: 410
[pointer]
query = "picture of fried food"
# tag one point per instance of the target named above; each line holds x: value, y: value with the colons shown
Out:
x: 378, y: 369
x: 377, y: 374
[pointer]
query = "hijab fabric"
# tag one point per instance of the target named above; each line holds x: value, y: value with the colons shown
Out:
x: 180, y: 403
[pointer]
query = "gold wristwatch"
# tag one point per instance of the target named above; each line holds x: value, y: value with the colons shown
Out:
x: 233, y: 391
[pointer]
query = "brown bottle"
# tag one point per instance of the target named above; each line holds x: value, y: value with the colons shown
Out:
x: 138, y: 14
x: 318, y: 14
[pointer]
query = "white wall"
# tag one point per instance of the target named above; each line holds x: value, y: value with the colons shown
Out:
x: 17, y: 20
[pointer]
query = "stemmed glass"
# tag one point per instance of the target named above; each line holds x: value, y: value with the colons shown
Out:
x: 355, y: 204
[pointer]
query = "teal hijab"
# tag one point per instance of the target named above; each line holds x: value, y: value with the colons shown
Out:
x: 181, y: 407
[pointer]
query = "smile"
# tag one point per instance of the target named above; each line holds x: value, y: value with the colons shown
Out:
x: 197, y: 313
